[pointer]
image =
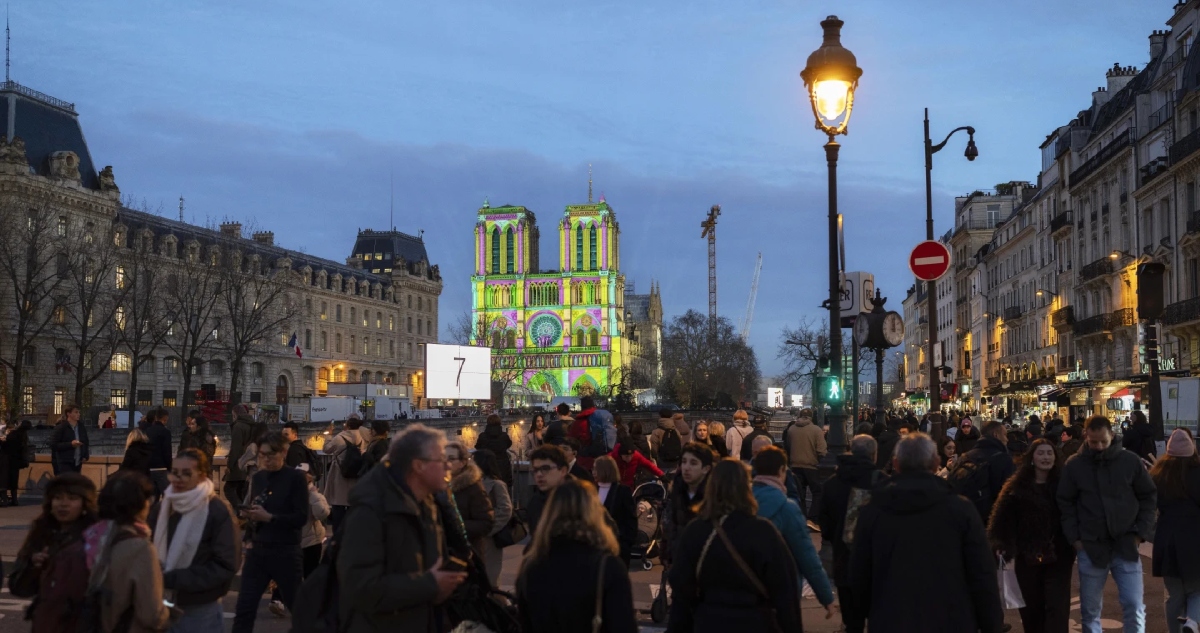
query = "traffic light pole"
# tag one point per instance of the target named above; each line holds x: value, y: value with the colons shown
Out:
x: 836, y: 435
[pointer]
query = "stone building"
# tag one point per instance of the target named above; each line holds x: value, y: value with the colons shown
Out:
x: 353, y: 321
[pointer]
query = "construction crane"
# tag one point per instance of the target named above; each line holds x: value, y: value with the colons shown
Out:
x: 749, y: 318
x: 710, y: 231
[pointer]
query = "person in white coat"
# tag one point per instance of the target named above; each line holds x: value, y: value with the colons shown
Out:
x: 493, y: 556
x: 337, y: 484
x: 738, y: 432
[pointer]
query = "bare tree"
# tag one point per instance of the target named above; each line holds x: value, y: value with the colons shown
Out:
x: 463, y: 331
x: 706, y: 363
x: 90, y: 311
x: 191, y: 296
x: 34, y: 267
x: 802, y: 348
x: 255, y: 307
x: 143, y: 307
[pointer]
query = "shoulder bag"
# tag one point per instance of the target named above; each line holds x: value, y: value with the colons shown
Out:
x: 767, y: 611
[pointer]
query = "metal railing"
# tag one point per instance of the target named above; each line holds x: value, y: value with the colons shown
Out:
x: 1106, y: 153
x: 1182, y: 311
x: 1099, y: 267
x: 1063, y: 316
x: 1102, y: 323
x: 1013, y: 312
x: 1193, y: 222
x: 1060, y: 221
x: 1160, y: 116
x: 1185, y: 147
x: 40, y: 96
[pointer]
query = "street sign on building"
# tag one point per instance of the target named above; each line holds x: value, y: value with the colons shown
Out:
x: 929, y: 260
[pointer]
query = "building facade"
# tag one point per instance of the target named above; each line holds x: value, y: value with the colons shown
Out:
x: 120, y: 325
x: 553, y: 332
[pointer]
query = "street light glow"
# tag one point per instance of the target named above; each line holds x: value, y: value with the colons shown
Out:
x: 832, y: 96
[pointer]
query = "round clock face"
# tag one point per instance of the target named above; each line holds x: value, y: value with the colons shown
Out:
x: 893, y: 329
x: 862, y: 329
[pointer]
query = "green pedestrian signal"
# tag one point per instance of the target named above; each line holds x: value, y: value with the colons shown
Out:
x: 829, y: 389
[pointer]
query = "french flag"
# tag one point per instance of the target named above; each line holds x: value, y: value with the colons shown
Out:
x: 294, y: 343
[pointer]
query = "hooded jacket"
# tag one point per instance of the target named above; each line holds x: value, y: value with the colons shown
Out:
x: 852, y: 472
x: 805, y: 444
x: 656, y: 436
x: 1108, y: 501
x: 473, y: 503
x: 774, y: 506
x: 735, y: 435
x: 917, y: 539
x: 965, y: 440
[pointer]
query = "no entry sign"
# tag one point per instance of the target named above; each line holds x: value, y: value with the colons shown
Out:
x: 929, y: 260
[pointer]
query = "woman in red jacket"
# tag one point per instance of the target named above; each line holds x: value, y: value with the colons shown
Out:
x: 629, y: 460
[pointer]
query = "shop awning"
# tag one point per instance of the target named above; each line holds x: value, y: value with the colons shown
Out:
x: 1053, y: 395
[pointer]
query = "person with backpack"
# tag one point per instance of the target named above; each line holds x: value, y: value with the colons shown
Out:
x: 196, y: 538
x: 843, y: 497
x: 126, y: 580
x: 629, y: 461
x: 737, y: 433
x: 981, y: 472
x: 746, y: 452
x: 770, y: 468
x: 595, y: 430
x: 556, y: 430
x: 51, y: 566
x: 396, y: 563
x: 666, y: 443
x: 19, y: 450
x: 494, y: 439
x: 347, y: 450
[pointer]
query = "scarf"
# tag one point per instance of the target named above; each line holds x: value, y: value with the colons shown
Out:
x: 193, y: 508
x: 771, y: 481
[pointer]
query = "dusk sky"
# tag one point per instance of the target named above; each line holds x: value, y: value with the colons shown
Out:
x: 294, y: 115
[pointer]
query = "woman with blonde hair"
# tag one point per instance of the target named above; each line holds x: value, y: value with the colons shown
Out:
x: 732, y: 570
x: 573, y: 540
x: 703, y: 433
x: 137, y: 452
x: 716, y: 433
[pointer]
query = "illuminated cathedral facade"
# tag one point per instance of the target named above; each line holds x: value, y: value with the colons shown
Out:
x: 554, y: 332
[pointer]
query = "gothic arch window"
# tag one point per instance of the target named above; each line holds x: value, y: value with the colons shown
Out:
x: 580, y: 339
x: 512, y: 339
x: 496, y: 339
x: 594, y: 338
x: 509, y: 251
x: 496, y: 250
x: 592, y: 247
x: 579, y: 247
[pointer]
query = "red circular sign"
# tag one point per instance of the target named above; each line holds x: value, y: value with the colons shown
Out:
x: 929, y: 260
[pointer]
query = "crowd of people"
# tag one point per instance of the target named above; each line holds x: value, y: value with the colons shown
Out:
x: 411, y: 530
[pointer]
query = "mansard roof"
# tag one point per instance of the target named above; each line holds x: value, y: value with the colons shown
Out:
x: 47, y: 125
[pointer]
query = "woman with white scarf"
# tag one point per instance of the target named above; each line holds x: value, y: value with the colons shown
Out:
x: 196, y: 539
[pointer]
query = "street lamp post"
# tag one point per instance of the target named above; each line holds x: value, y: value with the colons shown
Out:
x: 831, y: 76
x: 935, y: 391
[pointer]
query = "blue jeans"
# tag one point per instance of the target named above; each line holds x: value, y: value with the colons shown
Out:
x: 1183, y: 599
x: 201, y: 618
x: 1128, y: 576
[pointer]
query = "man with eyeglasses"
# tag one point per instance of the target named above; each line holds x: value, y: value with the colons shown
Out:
x: 401, y: 553
x: 550, y: 468
x: 277, y: 510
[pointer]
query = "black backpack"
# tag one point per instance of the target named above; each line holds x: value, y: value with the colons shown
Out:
x: 670, y: 448
x: 970, y: 478
x: 351, y: 461
x: 315, y: 466
x: 317, y: 606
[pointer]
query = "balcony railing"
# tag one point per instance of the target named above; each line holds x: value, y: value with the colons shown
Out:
x: 1063, y: 316
x: 1160, y: 116
x: 1182, y: 312
x: 1013, y: 312
x: 1095, y: 269
x: 1102, y: 323
x: 1106, y: 153
x: 1153, y: 169
x: 1185, y: 147
x: 1193, y: 222
x: 1060, y: 221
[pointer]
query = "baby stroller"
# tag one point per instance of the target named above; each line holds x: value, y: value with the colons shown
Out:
x: 649, y: 498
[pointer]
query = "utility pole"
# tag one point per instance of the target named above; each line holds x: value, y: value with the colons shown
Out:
x: 710, y: 231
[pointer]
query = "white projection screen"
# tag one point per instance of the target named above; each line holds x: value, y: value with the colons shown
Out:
x: 458, y: 372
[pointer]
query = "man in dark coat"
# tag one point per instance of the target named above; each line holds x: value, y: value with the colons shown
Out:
x: 160, y: 447
x: 240, y: 433
x: 556, y: 430
x: 1108, y: 506
x: 916, y: 539
x: 855, y: 469
x: 760, y: 430
x: 69, y: 443
x: 887, y: 443
x: 494, y: 439
x: 990, y: 453
x: 1140, y: 437
x: 395, y: 541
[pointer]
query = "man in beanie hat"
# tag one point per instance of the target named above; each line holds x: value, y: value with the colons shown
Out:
x: 240, y: 433
x: 1108, y: 504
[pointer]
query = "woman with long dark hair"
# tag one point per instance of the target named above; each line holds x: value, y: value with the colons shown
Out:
x: 1026, y: 528
x: 51, y: 566
x: 685, y: 495
x: 732, y: 570
x: 1176, y: 551
x: 573, y: 541
x: 534, y: 436
x: 198, y: 435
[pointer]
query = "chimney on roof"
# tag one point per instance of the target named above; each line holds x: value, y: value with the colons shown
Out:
x: 1119, y: 77
x: 231, y: 229
x: 1158, y: 41
x: 264, y: 237
x: 1100, y: 96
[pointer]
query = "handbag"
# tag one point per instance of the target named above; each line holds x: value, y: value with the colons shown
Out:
x: 1010, y: 591
x: 511, y: 534
x: 598, y: 618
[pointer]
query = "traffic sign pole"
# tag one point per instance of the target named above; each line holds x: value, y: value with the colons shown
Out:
x: 928, y: 261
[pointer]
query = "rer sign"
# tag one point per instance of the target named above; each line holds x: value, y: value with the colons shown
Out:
x: 929, y: 260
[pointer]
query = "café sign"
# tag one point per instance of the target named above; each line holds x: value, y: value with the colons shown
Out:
x: 1077, y: 375
x: 1164, y: 364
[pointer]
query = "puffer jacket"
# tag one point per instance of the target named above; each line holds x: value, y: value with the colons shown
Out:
x: 217, y: 559
x: 313, y: 532
x: 1107, y: 501
x: 474, y: 506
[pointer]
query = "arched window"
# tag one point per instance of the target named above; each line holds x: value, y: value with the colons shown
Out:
x: 594, y: 338
x: 495, y: 339
x: 579, y: 247
x: 592, y: 246
x: 509, y: 251
x: 495, y: 251
x: 512, y: 339
x: 580, y: 339
x: 352, y: 376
